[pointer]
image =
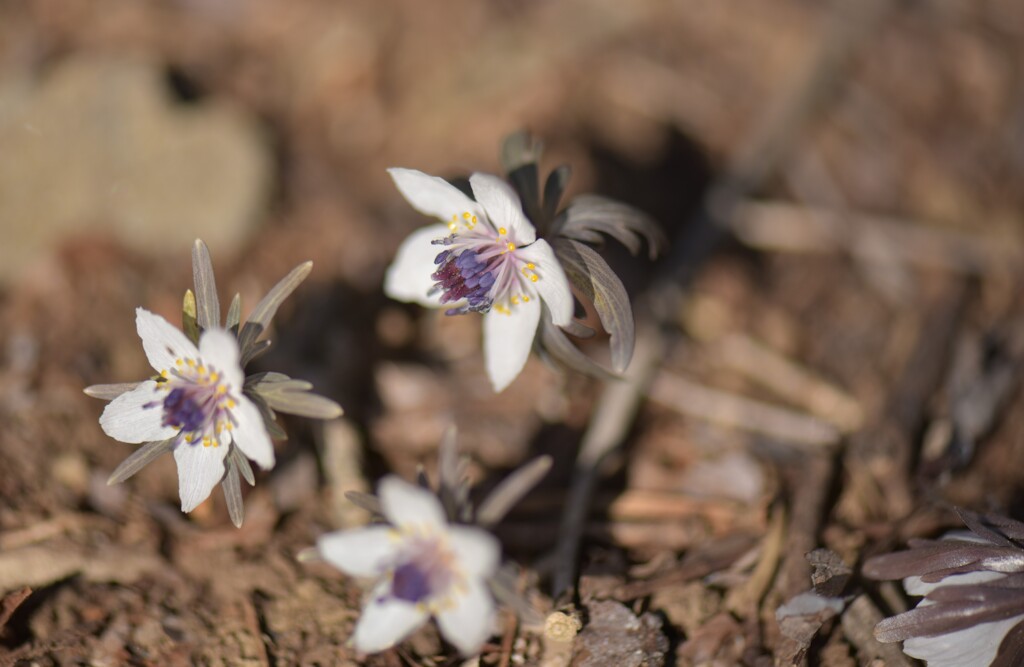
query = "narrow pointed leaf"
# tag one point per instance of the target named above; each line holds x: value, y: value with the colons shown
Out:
x: 265, y: 310
x: 520, y: 148
x: 274, y: 429
x: 578, y: 329
x: 594, y: 278
x: 303, y: 404
x: 366, y: 501
x: 138, y: 460
x: 524, y: 181
x: 254, y: 351
x: 959, y: 610
x: 561, y: 350
x: 188, y: 317
x: 520, y: 154
x: 453, y: 486
x: 997, y: 529
x: 243, y: 465
x: 421, y: 477
x: 448, y: 468
x: 109, y: 392
x: 554, y: 188
x: 207, y: 304
x: 269, y: 418
x: 234, y: 314
x: 293, y: 396
x: 233, y: 494
x: 587, y: 236
x: 588, y: 214
x: 265, y: 377
x: 511, y: 490
x: 448, y: 471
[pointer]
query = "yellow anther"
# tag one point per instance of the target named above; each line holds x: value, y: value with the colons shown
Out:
x: 502, y: 231
x: 214, y: 376
x: 178, y: 362
x: 511, y: 246
x: 190, y: 362
x: 473, y: 219
x: 231, y: 403
x: 525, y: 298
x: 221, y: 389
x: 467, y: 215
x: 514, y: 300
x: 163, y: 373
x: 452, y: 226
x: 188, y: 437
x: 531, y: 265
x: 534, y: 278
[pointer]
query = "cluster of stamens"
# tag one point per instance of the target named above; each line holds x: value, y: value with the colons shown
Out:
x: 198, y: 402
x: 463, y: 276
x: 479, y: 269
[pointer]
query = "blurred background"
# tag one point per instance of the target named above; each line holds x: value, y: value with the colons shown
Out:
x: 841, y: 183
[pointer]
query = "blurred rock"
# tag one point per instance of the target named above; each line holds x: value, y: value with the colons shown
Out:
x: 615, y: 637
x: 100, y: 143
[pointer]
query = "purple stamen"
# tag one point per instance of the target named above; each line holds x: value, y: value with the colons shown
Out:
x: 463, y: 276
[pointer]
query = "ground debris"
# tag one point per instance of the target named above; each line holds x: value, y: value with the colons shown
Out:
x: 837, y: 373
x: 616, y: 637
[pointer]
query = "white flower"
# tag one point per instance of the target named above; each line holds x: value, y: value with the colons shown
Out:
x: 973, y: 646
x: 422, y: 566
x: 485, y: 258
x: 197, y: 402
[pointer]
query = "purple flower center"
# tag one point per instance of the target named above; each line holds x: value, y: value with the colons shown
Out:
x: 198, y: 402
x: 481, y: 268
x: 411, y: 583
x: 423, y: 571
x: 464, y: 276
x: 181, y: 410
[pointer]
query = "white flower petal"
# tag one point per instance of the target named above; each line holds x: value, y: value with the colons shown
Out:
x: 508, y: 338
x: 432, y: 195
x: 162, y: 341
x: 477, y: 551
x: 127, y: 419
x: 915, y: 586
x: 385, y: 621
x: 552, y: 285
x: 250, y: 433
x: 219, y: 350
x: 503, y: 208
x: 199, y: 470
x: 364, y: 552
x: 972, y: 647
x: 471, y: 620
x: 404, y: 504
x: 408, y: 278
